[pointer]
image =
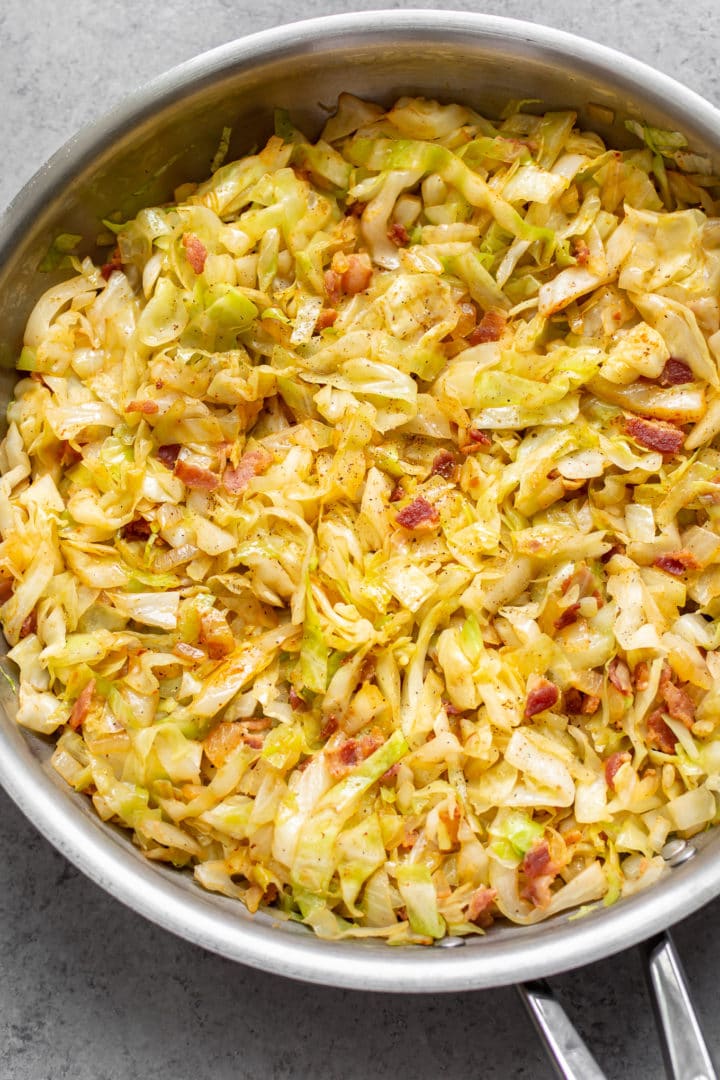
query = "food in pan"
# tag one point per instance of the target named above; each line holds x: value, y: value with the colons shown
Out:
x: 361, y: 519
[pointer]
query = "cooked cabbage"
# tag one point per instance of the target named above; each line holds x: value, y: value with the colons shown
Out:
x: 361, y: 520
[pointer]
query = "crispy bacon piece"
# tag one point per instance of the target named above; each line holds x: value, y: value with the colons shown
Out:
x: 358, y: 275
x: 538, y: 861
x: 139, y: 529
x: 350, y: 753
x: 580, y: 250
x: 168, y: 454
x: 543, y: 695
x: 641, y: 676
x: 568, y: 616
x: 6, y: 588
x: 389, y: 775
x: 577, y: 703
x: 357, y: 209
x: 490, y: 328
x: 147, y: 407
x: 675, y: 373
x: 477, y: 441
x: 450, y: 709
x: 677, y: 562
x: 329, y: 727
x: 254, y: 463
x: 332, y: 286
x: 188, y: 652
x: 29, y: 625
x: 222, y: 740
x: 444, y: 464
x: 590, y: 705
x: 619, y: 675
x: 114, y: 263
x: 81, y: 707
x: 419, y: 514
x: 398, y: 234
x: 195, y: 250
x: 195, y: 477
x: 326, y: 318
x: 655, y: 434
x: 659, y: 734
x: 679, y: 703
x: 540, y: 867
x: 478, y: 910
x: 296, y: 702
x: 612, y: 765
x: 215, y: 634
x: 397, y: 493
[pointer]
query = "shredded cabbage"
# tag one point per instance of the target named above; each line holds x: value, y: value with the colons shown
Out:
x: 361, y: 519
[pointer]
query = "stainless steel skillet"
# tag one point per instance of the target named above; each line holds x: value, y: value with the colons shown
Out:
x: 169, y: 132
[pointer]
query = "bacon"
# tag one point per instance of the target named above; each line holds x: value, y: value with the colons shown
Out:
x: 389, y: 775
x: 195, y: 477
x: 139, y: 529
x: 252, y: 464
x: 29, y: 625
x: 188, y: 652
x: 215, y: 634
x: 619, y: 675
x: 677, y: 562
x: 537, y: 891
x: 329, y: 727
x: 612, y: 766
x: 478, y: 440
x: 222, y: 740
x: 568, y: 616
x: 580, y: 251
x: 675, y: 373
x: 444, y: 464
x: 655, y: 434
x: 296, y: 702
x: 168, y: 454
x: 350, y: 753
x: 195, y: 250
x: 539, y: 861
x: 367, y: 668
x: 420, y: 514
x: 450, y: 709
x: 541, y: 697
x: 114, y: 263
x: 6, y: 588
x: 679, y: 703
x: 332, y: 286
x: 81, y: 707
x: 660, y: 735
x: 147, y: 407
x: 490, y: 328
x: 573, y: 701
x: 641, y: 676
x: 478, y: 910
x: 590, y: 705
x: 358, y: 275
x: 398, y: 234
x: 397, y: 493
x: 326, y: 318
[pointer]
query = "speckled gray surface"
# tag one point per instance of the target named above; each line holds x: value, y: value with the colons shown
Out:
x: 88, y: 989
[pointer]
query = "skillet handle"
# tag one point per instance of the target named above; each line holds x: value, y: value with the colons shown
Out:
x: 684, y: 1048
x: 567, y: 1051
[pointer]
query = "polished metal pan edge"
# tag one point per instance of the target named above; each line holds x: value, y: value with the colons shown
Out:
x: 506, y: 954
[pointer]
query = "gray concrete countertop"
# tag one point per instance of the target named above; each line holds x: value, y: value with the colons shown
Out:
x: 89, y: 990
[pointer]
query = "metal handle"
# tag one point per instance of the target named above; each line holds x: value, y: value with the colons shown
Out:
x: 684, y: 1048
x: 567, y: 1051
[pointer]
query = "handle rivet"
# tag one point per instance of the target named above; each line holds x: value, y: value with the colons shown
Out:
x: 678, y: 851
x: 450, y: 942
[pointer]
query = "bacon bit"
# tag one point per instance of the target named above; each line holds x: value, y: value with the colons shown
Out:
x: 619, y: 675
x: 168, y: 454
x: 29, y: 626
x: 260, y: 723
x: 450, y: 709
x: 113, y: 263
x: 479, y: 438
x: 195, y: 477
x: 367, y: 669
x: 397, y: 493
x: 659, y: 734
x: 332, y: 287
x: 271, y: 893
x: 139, y: 529
x: 350, y: 753
x: 255, y: 742
x: 358, y: 275
x: 478, y: 910
x: 222, y: 740
x: 389, y: 775
x: 537, y: 891
x: 296, y: 702
x: 147, y: 407
x: 581, y: 251
x: 612, y: 765
x: 6, y: 588
x: 541, y: 697
x: 398, y: 234
x: 195, y: 250
x: 655, y: 434
x: 675, y: 373
x: 330, y: 726
x: 568, y: 616
x: 408, y: 840
x: 420, y: 514
x: 252, y: 464
x: 215, y: 634
x: 573, y: 701
x: 444, y: 464
x: 590, y: 705
x: 490, y: 328
x: 641, y: 676
x: 616, y: 549
x: 326, y: 318
x: 539, y: 861
x: 81, y: 708
x: 357, y: 209
x: 679, y: 703
x: 188, y: 652
x: 677, y: 562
